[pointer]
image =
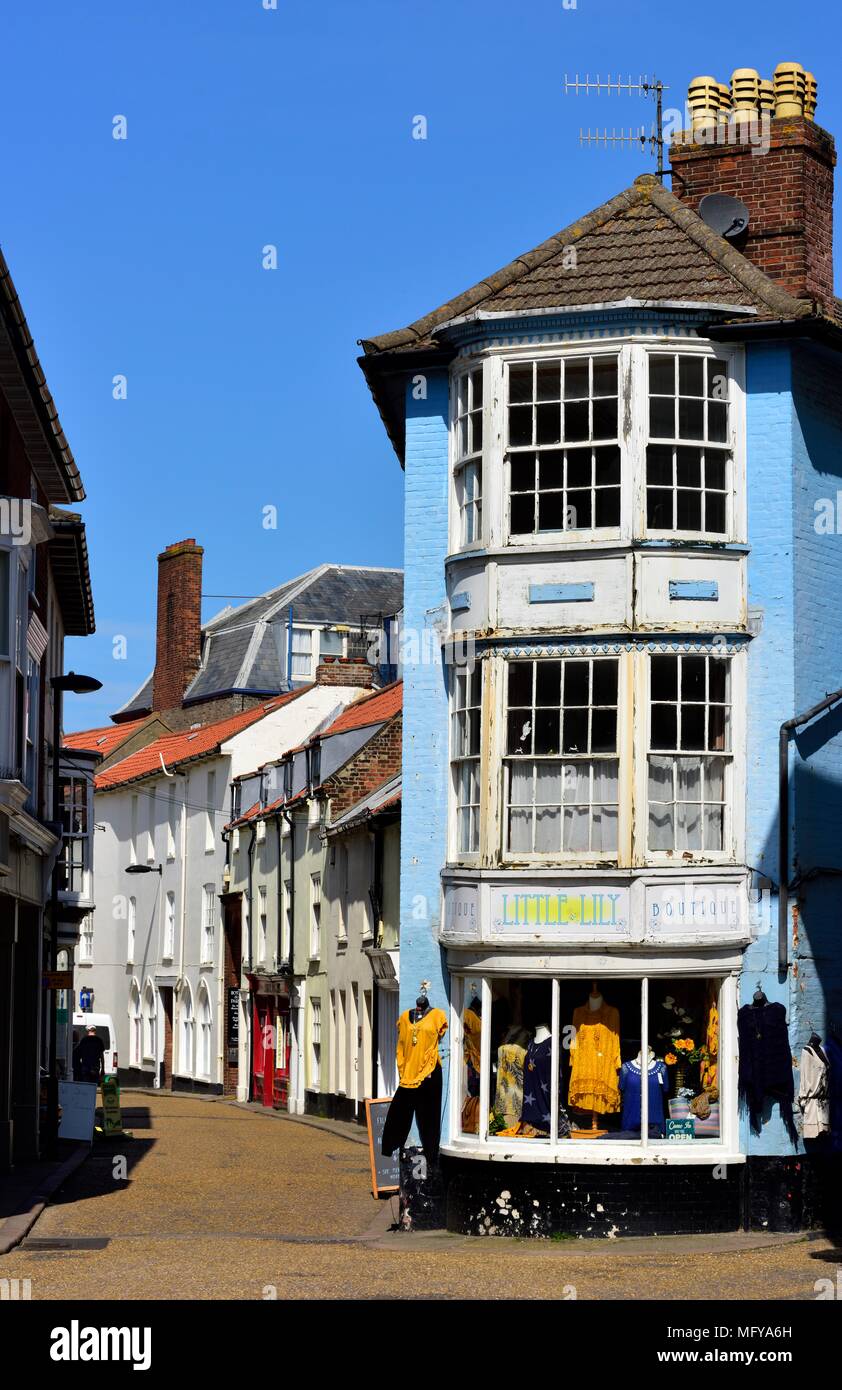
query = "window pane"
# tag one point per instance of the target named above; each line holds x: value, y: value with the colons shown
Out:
x: 576, y: 378
x: 691, y: 376
x: 607, y: 502
x: 605, y: 376
x: 547, y: 682
x: 547, y: 723
x: 548, y: 420
x: 520, y: 683
x: 688, y: 510
x: 523, y: 473
x: 605, y: 419
x: 715, y: 512
x: 576, y: 421
x: 661, y: 375
x: 576, y: 682
x: 688, y: 467
x: 659, y: 464
x: 717, y: 421
x: 520, y: 383
x: 520, y: 425
x: 691, y: 419
x: 662, y: 417
x: 550, y: 511
x: 664, y: 726
x: 579, y: 513
x: 549, y: 381
x: 522, y: 514
x: 659, y: 509
x: 575, y: 731
x: 664, y: 677
x: 606, y: 466
x: 693, y: 669
x: 519, y: 738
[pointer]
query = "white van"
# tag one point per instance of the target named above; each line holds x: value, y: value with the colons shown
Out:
x: 104, y: 1025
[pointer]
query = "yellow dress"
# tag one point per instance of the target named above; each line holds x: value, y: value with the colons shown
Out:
x: 472, y: 1034
x: 595, y: 1059
x: 709, y: 1069
x: 418, y: 1046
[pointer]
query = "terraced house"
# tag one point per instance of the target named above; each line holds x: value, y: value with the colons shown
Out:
x: 223, y: 699
x: 623, y: 780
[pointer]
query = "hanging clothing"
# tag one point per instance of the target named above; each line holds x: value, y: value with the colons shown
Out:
x: 418, y: 1045
x: 537, y: 1084
x: 421, y: 1103
x: 833, y: 1050
x: 631, y: 1087
x: 508, y: 1097
x: 765, y: 1071
x: 710, y: 1069
x: 813, y: 1093
x: 471, y: 1040
x: 595, y: 1059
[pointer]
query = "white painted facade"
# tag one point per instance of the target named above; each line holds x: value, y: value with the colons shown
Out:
x: 162, y: 930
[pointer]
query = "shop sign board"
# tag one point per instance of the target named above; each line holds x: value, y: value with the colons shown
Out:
x: 385, y: 1168
x: 697, y: 908
x: 461, y: 912
x: 576, y: 912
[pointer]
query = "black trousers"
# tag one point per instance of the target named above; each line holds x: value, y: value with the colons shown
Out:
x: 422, y: 1104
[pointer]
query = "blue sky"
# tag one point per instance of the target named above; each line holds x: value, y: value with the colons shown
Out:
x: 293, y: 126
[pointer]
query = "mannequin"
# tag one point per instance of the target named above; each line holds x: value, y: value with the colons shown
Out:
x: 595, y: 1061
x: 511, y: 1055
x: 471, y: 1050
x: 630, y: 1082
x: 537, y: 1085
x: 418, y: 1096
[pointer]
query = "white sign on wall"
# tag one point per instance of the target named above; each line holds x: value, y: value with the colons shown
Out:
x: 696, y: 908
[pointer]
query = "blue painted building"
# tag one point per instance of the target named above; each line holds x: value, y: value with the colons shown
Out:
x: 623, y: 575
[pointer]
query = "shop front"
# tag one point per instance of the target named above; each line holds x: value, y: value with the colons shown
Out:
x: 593, y: 1084
x: 270, y: 1040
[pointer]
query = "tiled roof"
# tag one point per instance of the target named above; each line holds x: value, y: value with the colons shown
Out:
x: 183, y: 747
x: 644, y: 244
x: 372, y: 709
x: 103, y: 740
x: 244, y: 649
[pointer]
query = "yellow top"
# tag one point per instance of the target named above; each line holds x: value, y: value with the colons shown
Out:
x: 418, y: 1046
x: 472, y: 1032
x: 595, y: 1058
x: 709, y: 1069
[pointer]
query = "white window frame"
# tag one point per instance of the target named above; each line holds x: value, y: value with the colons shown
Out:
x: 315, y: 916
x: 308, y: 650
x: 172, y: 823
x: 168, y: 950
x: 342, y: 858
x: 633, y: 373
x: 208, y: 924
x: 286, y: 936
x: 467, y: 510
x: 131, y: 930
x: 457, y: 761
x: 263, y: 921
x: 555, y: 1150
x: 735, y: 775
x: 186, y: 1032
x: 204, y: 1039
x: 150, y: 1023
x: 86, y: 939
x: 133, y: 813
x: 135, y: 1025
x: 151, y: 818
x: 210, y: 812
x: 315, y: 1044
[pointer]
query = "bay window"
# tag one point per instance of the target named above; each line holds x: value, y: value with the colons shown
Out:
x: 468, y: 455
x: 465, y: 755
x: 561, y: 766
x: 689, y: 752
x: 552, y: 1061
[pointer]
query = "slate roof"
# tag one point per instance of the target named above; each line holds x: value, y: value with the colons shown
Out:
x: 244, y: 648
x: 190, y: 744
x: 644, y: 245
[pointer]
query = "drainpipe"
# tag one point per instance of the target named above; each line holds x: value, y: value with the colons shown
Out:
x: 289, y: 649
x: 299, y: 1085
x: 280, y: 894
x: 783, y: 820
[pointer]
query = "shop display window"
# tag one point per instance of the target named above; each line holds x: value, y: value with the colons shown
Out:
x: 554, y: 1060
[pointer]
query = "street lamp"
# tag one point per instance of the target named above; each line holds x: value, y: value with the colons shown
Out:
x: 73, y: 684
x: 145, y: 869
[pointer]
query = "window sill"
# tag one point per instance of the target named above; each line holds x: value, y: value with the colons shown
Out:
x: 581, y: 1151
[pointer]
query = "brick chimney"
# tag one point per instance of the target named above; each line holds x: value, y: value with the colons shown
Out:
x: 345, y: 670
x: 178, y: 638
x: 757, y: 142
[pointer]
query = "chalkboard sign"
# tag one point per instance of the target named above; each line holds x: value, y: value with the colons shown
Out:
x: 233, y: 1025
x: 385, y: 1169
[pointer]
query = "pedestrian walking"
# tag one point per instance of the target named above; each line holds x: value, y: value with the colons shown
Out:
x: 88, y: 1055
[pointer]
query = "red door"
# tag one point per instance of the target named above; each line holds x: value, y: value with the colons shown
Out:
x: 282, y: 1051
x: 263, y: 1052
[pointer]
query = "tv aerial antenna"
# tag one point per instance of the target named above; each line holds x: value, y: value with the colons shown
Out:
x: 644, y: 86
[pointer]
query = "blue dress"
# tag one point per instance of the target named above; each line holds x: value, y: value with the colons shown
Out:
x: 630, y: 1089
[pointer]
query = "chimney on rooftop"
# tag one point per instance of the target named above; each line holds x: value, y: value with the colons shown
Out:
x: 757, y: 141
x: 178, y: 638
x: 345, y: 670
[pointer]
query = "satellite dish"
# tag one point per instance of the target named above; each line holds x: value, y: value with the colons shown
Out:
x: 726, y: 216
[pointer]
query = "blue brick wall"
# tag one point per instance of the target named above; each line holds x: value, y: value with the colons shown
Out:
x: 423, y: 819
x: 817, y: 749
x: 771, y: 674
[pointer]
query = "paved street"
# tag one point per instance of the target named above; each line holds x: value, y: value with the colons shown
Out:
x: 222, y: 1201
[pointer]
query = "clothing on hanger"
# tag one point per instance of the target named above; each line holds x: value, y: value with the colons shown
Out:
x: 765, y: 1067
x: 813, y: 1092
x: 630, y: 1082
x: 595, y: 1059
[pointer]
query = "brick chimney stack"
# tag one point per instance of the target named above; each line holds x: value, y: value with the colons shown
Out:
x: 345, y: 670
x: 758, y: 142
x: 178, y: 640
